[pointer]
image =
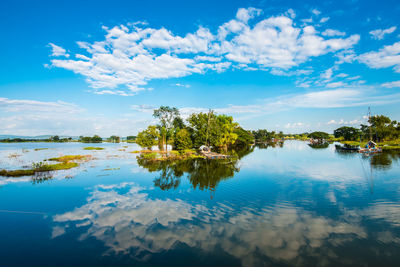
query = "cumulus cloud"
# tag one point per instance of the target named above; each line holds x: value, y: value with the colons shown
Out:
x: 58, y: 51
x: 132, y: 55
x: 330, y: 32
x: 388, y: 56
x: 379, y: 34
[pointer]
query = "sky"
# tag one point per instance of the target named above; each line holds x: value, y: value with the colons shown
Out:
x: 101, y: 67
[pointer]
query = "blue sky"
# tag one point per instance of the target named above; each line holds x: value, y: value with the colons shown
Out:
x: 100, y: 67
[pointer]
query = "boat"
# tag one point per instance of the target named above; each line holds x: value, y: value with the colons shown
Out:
x: 371, y: 147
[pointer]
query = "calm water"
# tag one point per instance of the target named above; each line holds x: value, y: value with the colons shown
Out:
x: 290, y: 205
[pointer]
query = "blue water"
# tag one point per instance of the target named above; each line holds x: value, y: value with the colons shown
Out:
x: 276, y: 206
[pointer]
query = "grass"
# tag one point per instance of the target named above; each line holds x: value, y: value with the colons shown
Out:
x: 66, y: 163
x: 149, y: 155
x: 39, y: 167
x: 69, y: 158
x: 111, y: 169
x: 93, y: 148
x: 385, y: 145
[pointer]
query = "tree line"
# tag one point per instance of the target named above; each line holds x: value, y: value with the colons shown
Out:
x: 380, y: 128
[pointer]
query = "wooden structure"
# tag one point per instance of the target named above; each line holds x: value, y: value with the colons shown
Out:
x: 206, y: 152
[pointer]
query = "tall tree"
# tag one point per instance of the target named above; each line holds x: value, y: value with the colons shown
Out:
x: 166, y: 115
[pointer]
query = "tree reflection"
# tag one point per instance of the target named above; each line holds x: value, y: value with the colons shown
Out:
x: 383, y: 161
x: 203, y: 174
x: 319, y: 145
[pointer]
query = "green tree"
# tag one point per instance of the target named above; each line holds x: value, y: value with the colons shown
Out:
x: 244, y: 138
x: 226, y: 135
x: 182, y: 140
x: 198, y: 125
x: 348, y: 133
x: 114, y: 139
x: 166, y: 115
x: 148, y: 137
x: 319, y: 135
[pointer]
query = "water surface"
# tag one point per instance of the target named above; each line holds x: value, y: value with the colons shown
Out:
x: 276, y: 206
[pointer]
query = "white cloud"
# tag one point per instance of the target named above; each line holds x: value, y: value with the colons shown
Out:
x: 15, y: 105
x: 130, y: 56
x: 379, y: 34
x: 324, y: 19
x: 316, y: 12
x: 388, y: 56
x: 58, y: 51
x: 343, y: 122
x: 330, y: 32
x: 395, y: 84
x: 182, y: 85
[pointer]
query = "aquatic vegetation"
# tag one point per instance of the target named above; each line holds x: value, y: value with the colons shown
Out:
x: 93, y: 148
x: 69, y: 158
x: 14, y: 155
x: 38, y: 149
x: 111, y: 169
x: 39, y: 167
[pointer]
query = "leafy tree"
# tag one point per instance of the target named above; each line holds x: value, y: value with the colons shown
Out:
x: 148, y: 137
x: 226, y: 135
x: 114, y: 139
x: 182, y: 140
x: 166, y: 115
x: 131, y: 138
x: 319, y: 135
x: 382, y: 127
x: 348, y: 133
x: 55, y: 138
x: 87, y: 139
x: 199, y: 125
x: 244, y: 138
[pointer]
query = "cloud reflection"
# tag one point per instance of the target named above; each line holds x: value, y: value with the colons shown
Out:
x: 128, y: 220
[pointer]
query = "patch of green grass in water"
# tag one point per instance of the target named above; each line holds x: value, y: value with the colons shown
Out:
x: 93, y: 148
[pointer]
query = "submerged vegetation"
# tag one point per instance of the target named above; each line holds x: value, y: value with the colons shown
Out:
x: 93, y: 148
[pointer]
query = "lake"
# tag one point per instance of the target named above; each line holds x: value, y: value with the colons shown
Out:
x: 276, y: 206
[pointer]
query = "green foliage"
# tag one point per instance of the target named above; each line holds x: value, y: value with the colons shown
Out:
x: 39, y: 167
x: 348, y: 133
x: 148, y: 137
x: 244, y: 138
x: 211, y: 129
x: 262, y: 135
x: 182, y: 140
x: 131, y: 138
x: 225, y: 132
x: 87, y: 139
x: 319, y: 135
x: 114, y: 139
x: 166, y: 115
x: 382, y: 128
x: 93, y: 148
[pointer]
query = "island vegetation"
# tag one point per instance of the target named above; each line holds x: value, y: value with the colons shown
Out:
x: 65, y: 163
x: 219, y: 132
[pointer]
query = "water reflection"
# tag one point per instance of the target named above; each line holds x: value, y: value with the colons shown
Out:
x: 128, y: 220
x: 380, y: 161
x: 319, y: 145
x: 203, y: 174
